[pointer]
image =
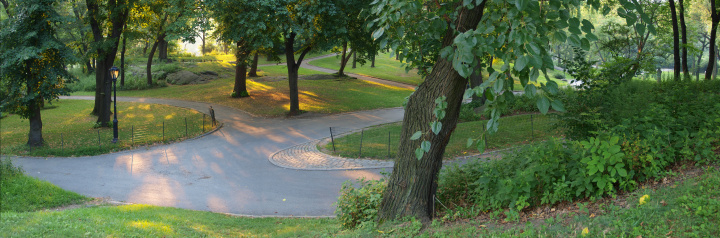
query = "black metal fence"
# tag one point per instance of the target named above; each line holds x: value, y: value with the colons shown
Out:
x: 382, y: 142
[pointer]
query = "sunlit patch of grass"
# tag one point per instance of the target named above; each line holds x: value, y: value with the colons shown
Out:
x: 386, y: 68
x: 69, y: 129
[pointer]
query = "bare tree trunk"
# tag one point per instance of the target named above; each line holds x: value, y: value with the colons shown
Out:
x: 293, y: 68
x: 676, y: 41
x: 35, y: 137
x: 344, y: 58
x: 372, y: 61
x: 412, y: 185
x: 240, y: 87
x: 148, y: 68
x: 254, y: 65
x: 703, y: 42
x: 715, y: 19
x: 683, y: 33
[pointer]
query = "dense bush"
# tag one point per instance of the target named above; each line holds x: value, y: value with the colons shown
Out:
x: 622, y: 135
x: 358, y: 205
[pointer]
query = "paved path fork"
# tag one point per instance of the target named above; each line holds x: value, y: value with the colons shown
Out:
x: 227, y: 171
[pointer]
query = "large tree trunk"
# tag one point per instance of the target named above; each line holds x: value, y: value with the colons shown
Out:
x: 150, y: 59
x: 683, y: 33
x: 106, y: 55
x: 715, y: 19
x: 163, y: 55
x: 122, y: 61
x: 147, y: 44
x: 413, y: 183
x: 240, y: 87
x: 676, y: 41
x: 35, y: 137
x: 254, y: 65
x: 293, y: 68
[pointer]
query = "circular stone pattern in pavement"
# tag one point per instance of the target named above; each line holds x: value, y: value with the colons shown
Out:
x: 306, y: 156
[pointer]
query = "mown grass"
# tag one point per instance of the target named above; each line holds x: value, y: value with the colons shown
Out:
x: 386, y: 68
x: 68, y: 128
x: 22, y: 193
x: 270, y: 98
x: 513, y: 131
x: 687, y: 208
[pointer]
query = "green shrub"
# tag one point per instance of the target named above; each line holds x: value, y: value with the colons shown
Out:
x: 8, y: 170
x: 358, y: 205
x: 559, y: 76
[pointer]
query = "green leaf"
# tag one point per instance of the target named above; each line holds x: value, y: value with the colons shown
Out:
x: 640, y: 28
x: 378, y: 33
x: 419, y: 153
x: 499, y: 85
x: 416, y: 135
x: 574, y: 40
x: 623, y: 173
x: 436, y: 126
x: 552, y: 87
x: 587, y: 26
x: 481, y: 145
x: 591, y: 37
x: 557, y: 105
x: 543, y: 104
x: 520, y: 63
x: 530, y: 90
x: 425, y: 146
x: 585, y: 44
x: 560, y: 36
x: 534, y: 74
x: 469, y: 142
x: 534, y: 48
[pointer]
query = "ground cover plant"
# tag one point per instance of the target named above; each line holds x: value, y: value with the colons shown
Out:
x: 70, y: 129
x: 269, y: 95
x: 514, y: 131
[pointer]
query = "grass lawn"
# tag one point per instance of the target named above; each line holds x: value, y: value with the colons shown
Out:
x: 270, y: 97
x: 68, y: 128
x: 513, y: 131
x: 687, y: 208
x: 386, y: 68
x: 22, y: 193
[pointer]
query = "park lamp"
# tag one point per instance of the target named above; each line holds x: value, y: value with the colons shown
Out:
x: 114, y: 71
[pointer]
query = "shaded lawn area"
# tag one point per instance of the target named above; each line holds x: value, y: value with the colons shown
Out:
x: 513, y: 131
x: 68, y: 128
x: 270, y: 97
x: 386, y: 67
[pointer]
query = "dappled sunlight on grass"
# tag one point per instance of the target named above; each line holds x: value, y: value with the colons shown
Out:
x: 133, y: 207
x: 148, y: 225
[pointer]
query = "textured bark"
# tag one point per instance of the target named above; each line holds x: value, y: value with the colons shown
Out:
x: 241, y: 55
x: 715, y: 19
x: 293, y: 68
x: 163, y: 50
x: 683, y: 34
x: 254, y: 65
x: 105, y: 55
x: 35, y: 137
x: 676, y: 41
x: 413, y: 183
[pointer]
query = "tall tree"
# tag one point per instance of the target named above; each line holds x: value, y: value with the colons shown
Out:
x: 305, y: 26
x: 714, y: 19
x: 246, y: 23
x: 676, y: 41
x: 33, y: 62
x: 445, y: 40
x: 683, y: 36
x: 107, y: 20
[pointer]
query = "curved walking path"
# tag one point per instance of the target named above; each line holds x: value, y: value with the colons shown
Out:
x: 227, y: 171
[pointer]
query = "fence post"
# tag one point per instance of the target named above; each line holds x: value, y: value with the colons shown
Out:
x: 532, y: 128
x: 388, y: 144
x: 203, y: 123
x: 332, y: 139
x: 98, y: 132
x: 186, y: 134
x: 163, y: 131
x: 361, y: 139
x: 132, y: 135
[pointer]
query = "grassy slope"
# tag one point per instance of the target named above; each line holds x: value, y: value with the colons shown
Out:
x: 271, y: 98
x: 68, y: 128
x: 22, y: 193
x: 513, y: 131
x: 385, y: 68
x: 687, y: 208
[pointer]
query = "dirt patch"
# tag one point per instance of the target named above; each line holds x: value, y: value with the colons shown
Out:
x: 103, y: 201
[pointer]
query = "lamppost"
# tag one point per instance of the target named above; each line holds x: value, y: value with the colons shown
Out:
x: 114, y: 71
